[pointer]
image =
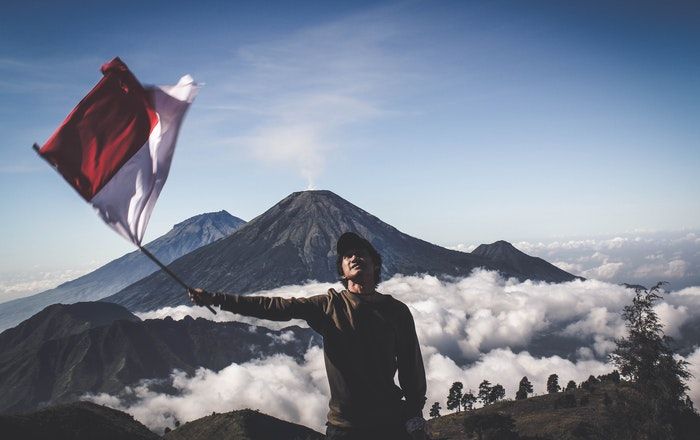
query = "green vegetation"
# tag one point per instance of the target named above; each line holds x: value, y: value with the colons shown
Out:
x: 553, y: 384
x: 524, y: 389
x: 454, y: 398
x: 435, y: 410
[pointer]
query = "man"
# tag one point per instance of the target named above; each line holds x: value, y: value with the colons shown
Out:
x: 367, y: 337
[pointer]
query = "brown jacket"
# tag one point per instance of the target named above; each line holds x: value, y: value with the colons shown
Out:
x: 366, y: 338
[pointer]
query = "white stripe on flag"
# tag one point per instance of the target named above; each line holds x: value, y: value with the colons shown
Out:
x: 125, y: 203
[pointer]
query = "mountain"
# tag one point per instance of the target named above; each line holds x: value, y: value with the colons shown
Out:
x: 242, y: 425
x: 76, y: 421
x: 294, y: 241
x: 69, y: 350
x: 183, y: 238
x: 60, y: 320
x: 519, y: 263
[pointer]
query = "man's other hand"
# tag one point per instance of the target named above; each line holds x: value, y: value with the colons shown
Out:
x: 201, y: 297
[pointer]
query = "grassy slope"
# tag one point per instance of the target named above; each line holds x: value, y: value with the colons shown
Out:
x: 541, y: 416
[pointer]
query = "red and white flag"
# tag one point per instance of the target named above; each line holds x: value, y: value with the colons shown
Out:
x: 116, y: 146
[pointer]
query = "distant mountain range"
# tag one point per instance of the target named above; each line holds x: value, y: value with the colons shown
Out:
x: 66, y: 351
x: 183, y: 238
x: 294, y: 241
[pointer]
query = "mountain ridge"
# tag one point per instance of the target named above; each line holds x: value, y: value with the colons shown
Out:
x: 294, y: 242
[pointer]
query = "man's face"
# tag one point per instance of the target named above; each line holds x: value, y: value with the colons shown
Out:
x: 358, y: 265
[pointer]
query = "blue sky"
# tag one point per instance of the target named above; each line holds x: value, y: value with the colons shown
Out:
x: 456, y: 122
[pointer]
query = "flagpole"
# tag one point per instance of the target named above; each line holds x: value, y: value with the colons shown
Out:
x: 171, y: 273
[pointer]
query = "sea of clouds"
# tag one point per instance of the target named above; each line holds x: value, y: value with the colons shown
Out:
x: 470, y: 329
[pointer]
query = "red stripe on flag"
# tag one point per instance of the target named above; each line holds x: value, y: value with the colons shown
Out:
x: 103, y: 132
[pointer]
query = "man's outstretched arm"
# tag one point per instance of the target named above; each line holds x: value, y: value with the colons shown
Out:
x: 272, y: 308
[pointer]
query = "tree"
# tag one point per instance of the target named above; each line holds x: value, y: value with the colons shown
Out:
x: 571, y: 386
x: 497, y: 393
x: 589, y: 383
x: 435, y: 410
x: 524, y: 389
x: 553, y: 384
x: 645, y: 358
x: 468, y: 401
x: 485, y: 392
x: 454, y: 398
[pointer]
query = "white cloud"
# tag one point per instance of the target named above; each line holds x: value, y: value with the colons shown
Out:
x: 20, y: 284
x: 605, y: 271
x: 277, y: 385
x: 470, y: 329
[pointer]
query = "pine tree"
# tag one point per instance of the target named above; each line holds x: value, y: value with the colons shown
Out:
x: 485, y: 392
x: 468, y: 401
x: 553, y: 384
x: 497, y: 393
x: 435, y: 410
x: 454, y: 398
x: 645, y: 358
x: 524, y: 389
x: 571, y: 385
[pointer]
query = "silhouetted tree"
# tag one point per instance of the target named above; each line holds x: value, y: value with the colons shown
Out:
x: 454, y: 398
x: 524, y: 389
x: 497, y: 393
x: 485, y: 392
x: 468, y: 401
x: 645, y: 358
x: 553, y: 384
x: 435, y: 410
x: 571, y: 385
x: 613, y: 377
x: 589, y: 383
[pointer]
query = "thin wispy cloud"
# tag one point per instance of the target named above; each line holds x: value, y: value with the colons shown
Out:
x: 305, y: 88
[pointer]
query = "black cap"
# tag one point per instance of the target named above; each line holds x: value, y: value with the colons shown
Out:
x: 349, y: 241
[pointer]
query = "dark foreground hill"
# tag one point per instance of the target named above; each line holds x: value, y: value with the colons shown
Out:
x: 183, y: 238
x: 242, y: 425
x: 294, y: 241
x: 600, y: 413
x: 75, y: 421
x: 66, y: 351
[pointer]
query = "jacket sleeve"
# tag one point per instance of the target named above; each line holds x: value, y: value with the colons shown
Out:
x: 411, y: 370
x: 311, y: 309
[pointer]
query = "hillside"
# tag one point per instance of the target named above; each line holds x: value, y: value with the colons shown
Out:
x: 572, y: 415
x: 75, y: 421
x: 242, y: 425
